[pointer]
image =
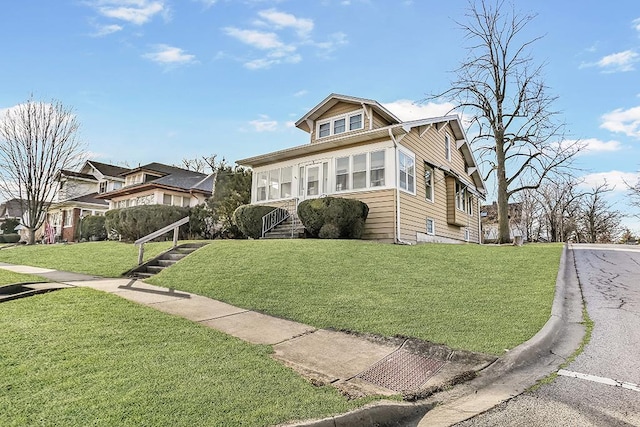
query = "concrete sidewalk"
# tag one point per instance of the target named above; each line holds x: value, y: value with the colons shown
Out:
x: 360, y: 365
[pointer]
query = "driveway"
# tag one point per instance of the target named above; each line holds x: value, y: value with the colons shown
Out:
x: 601, y: 387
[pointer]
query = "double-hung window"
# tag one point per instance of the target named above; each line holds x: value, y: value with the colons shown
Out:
x: 274, y: 184
x: 340, y: 124
x: 461, y: 196
x: 377, y: 169
x: 359, y: 171
x: 342, y: 173
x: 261, y: 186
x: 428, y: 182
x: 285, y: 184
x: 103, y: 187
x: 431, y: 226
x: 407, y: 169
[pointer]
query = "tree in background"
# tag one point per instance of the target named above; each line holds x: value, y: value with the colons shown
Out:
x: 38, y: 139
x: 598, y: 221
x: 214, y: 219
x: 518, y: 136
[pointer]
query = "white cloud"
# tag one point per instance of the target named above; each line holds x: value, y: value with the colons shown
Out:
x: 594, y: 145
x: 207, y: 3
x: 169, y: 55
x: 290, y: 124
x: 264, y: 124
x: 623, y: 121
x: 408, y: 110
x: 302, y: 26
x: 302, y: 92
x: 616, y: 62
x: 616, y: 179
x: 636, y: 24
x: 137, y: 12
x: 280, y: 46
x: 105, y: 30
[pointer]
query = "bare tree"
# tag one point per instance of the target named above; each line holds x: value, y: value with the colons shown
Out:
x: 559, y: 205
x: 201, y: 164
x: 598, y: 221
x: 38, y: 139
x: 503, y: 92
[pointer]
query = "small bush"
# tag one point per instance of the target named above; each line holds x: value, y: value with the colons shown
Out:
x: 9, y: 225
x: 9, y: 238
x: 92, y: 228
x: 333, y: 217
x: 135, y: 222
x: 248, y: 218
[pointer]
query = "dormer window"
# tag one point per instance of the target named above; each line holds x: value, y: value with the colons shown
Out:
x: 340, y: 124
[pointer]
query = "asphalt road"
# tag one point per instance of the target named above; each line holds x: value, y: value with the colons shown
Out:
x: 610, y: 279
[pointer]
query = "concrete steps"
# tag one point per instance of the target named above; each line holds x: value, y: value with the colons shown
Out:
x: 283, y: 230
x: 164, y: 260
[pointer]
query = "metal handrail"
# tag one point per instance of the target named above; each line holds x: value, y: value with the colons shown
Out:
x: 175, y: 226
x: 279, y: 215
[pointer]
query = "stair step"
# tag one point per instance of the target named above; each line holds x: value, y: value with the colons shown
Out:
x: 173, y: 256
x: 166, y: 262
x: 154, y: 269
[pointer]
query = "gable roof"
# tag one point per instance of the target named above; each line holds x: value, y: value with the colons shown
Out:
x: 13, y: 208
x: 168, y: 177
x: 106, y: 169
x: 74, y: 174
x: 82, y: 201
x: 335, y: 98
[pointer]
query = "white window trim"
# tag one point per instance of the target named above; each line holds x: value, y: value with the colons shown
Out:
x: 413, y: 157
x: 447, y: 148
x: 332, y: 120
x: 68, y: 218
x: 467, y: 235
x: 433, y: 226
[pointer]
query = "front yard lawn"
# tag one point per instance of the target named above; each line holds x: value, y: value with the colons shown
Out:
x: 107, y: 259
x: 9, y: 277
x: 79, y: 357
x: 480, y: 298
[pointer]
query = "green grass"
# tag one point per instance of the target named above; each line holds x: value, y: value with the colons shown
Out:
x: 78, y: 357
x: 107, y: 259
x: 9, y: 277
x: 480, y: 298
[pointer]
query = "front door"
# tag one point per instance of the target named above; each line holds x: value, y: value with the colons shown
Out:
x: 313, y: 180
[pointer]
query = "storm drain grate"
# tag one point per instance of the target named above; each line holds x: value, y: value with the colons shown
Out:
x: 402, y: 371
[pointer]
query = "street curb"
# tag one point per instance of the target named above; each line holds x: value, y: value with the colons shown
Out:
x: 530, y: 355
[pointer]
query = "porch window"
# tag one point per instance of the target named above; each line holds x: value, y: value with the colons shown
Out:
x: 407, y: 170
x: 166, y: 199
x: 285, y: 185
x: 428, y: 182
x: 325, y: 177
x: 342, y: 173
x: 262, y: 186
x: 274, y: 184
x: 377, y: 169
x: 359, y: 171
x: 301, y: 181
x: 186, y: 201
x: 313, y: 180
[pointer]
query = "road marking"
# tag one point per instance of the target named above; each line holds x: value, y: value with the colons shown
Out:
x: 601, y: 380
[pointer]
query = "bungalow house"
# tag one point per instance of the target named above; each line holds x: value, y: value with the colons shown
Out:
x: 419, y: 178
x: 158, y: 184
x: 12, y: 209
x: 76, y: 197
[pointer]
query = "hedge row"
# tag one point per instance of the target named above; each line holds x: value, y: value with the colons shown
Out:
x: 333, y: 217
x: 138, y: 221
x: 248, y: 218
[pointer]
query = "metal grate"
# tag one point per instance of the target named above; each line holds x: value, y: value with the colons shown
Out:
x: 402, y: 371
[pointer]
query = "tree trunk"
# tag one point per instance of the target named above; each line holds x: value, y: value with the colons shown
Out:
x: 31, y: 236
x: 504, y: 233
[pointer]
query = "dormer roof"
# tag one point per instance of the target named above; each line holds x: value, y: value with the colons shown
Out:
x: 333, y: 99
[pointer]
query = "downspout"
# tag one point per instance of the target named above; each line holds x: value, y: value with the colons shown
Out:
x: 395, y: 152
x: 479, y: 222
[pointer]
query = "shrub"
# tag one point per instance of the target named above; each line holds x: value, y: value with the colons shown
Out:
x: 9, y: 238
x: 248, y: 218
x: 9, y: 225
x: 333, y: 217
x: 135, y: 222
x: 93, y: 228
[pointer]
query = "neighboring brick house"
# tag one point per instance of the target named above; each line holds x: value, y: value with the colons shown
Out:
x: 489, y: 215
x: 159, y: 184
x: 76, y: 197
x: 419, y: 178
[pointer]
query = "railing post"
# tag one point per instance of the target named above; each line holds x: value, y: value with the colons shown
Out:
x: 175, y: 237
x: 140, y: 253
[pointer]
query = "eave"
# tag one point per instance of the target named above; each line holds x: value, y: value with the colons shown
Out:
x: 133, y: 189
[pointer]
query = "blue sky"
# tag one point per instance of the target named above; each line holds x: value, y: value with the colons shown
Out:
x: 162, y: 80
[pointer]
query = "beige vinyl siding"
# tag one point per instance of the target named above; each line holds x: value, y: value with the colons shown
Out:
x: 378, y: 121
x: 414, y: 210
x: 380, y: 221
